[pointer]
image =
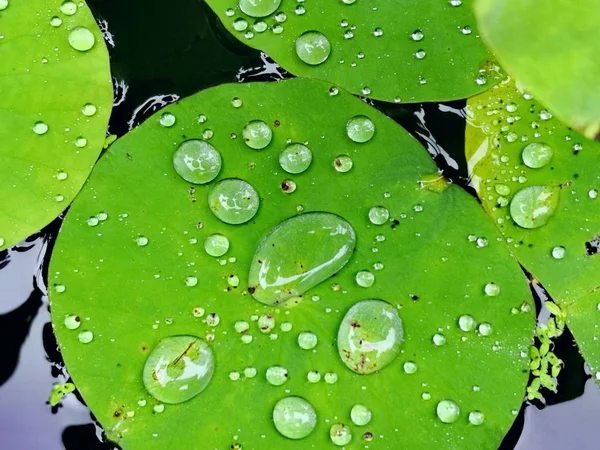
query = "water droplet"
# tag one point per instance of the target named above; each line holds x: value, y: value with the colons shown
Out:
x: 559, y: 252
x: 229, y: 12
x: 537, y: 155
x: 198, y: 311
x: 416, y: 35
x: 360, y: 129
x: 236, y: 102
x: 72, y: 322
x: 307, y: 340
x: 216, y: 245
x: 340, y: 434
x: 92, y: 221
x: 277, y: 375
x: 234, y: 376
x: 213, y: 319
x: 409, y: 367
x: 330, y: 377
x: 280, y: 17
x: 167, y: 119
x: 266, y: 323
x: 295, y: 158
x: 250, y: 372
x: 288, y: 186
x: 81, y: 39
x: 420, y: 54
x: 88, y: 110
x: 233, y: 201
x: 56, y: 21
x: 342, y: 163
x: 191, y: 281
x: 482, y: 242
x: 298, y: 254
x: 257, y: 134
x: 593, y: 193
x: 485, y: 329
x: 3, y: 5
x: 142, y: 241
x: 313, y: 48
x: 378, y: 215
x: 277, y: 29
x: 259, y: 8
x: 439, y: 339
x: 294, y: 417
x: 60, y: 288
x: 545, y: 115
x: 466, y: 323
x: 68, y: 8
x: 40, y: 128
x: 85, y: 337
x: 240, y: 24
x: 160, y: 408
x: 178, y: 368
x: 360, y: 415
x: 241, y: 326
x: 455, y: 3
x: 365, y: 279
x: 502, y: 189
x: 491, y: 289
x: 197, y: 161
x: 370, y: 336
x: 533, y: 206
x: 260, y: 26
x: 80, y: 142
x: 300, y: 10
x: 447, y: 411
x: 62, y: 175
x: 476, y: 417
x: 466, y: 30
x: 313, y: 376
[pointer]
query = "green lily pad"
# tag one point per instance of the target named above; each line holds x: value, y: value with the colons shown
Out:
x: 408, y: 51
x: 142, y: 275
x: 541, y: 43
x: 561, y: 252
x: 54, y: 110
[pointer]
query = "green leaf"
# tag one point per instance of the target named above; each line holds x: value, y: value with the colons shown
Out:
x: 50, y: 138
x: 562, y: 254
x: 143, y: 275
x: 541, y: 43
x: 402, y: 52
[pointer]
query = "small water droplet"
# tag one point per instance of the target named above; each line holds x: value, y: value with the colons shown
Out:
x: 3, y: 5
x: 313, y: 376
x: 342, y: 163
x: 40, y: 128
x: 72, y: 322
x: 260, y: 26
x: 266, y: 323
x: 307, y: 340
x: 476, y: 418
x: 280, y: 17
x: 466, y: 30
x: 178, y: 368
x: 167, y: 119
x: 365, y: 279
x: 68, y: 8
x: 559, y: 252
x: 240, y: 24
x: 482, y: 242
x: 593, y: 193
x: 197, y: 161
x: 377, y: 32
x: 313, y: 48
x: 81, y: 39
x: 229, y: 12
x: 537, y: 155
x: 92, y: 221
x: 330, y: 377
x: 340, y: 434
x: 62, y: 175
x: 420, y: 54
x: 417, y: 35
x: 447, y: 411
x: 439, y: 339
x: 213, y: 319
x: 378, y: 215
x: 409, y: 367
x: 233, y: 201
x: 295, y: 158
x: 545, y: 115
x: 276, y: 375
x: 259, y: 8
x: 80, y: 142
x: 191, y: 281
x: 288, y: 186
x: 467, y: 323
x: 142, y: 241
x: 257, y: 134
x: 360, y: 129
x: 491, y: 289
x: 533, y: 206
x: 485, y: 329
x: 360, y: 415
x: 294, y: 417
x: 85, y: 337
x: 216, y: 245
x: 56, y: 21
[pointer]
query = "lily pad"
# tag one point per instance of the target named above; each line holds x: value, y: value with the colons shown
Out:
x: 408, y: 51
x: 561, y: 252
x: 142, y: 275
x: 54, y: 110
x: 541, y: 43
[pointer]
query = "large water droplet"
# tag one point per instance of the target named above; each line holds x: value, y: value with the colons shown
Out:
x: 298, y: 254
x: 294, y: 417
x: 537, y: 155
x: 259, y: 8
x: 295, y: 158
x: 233, y: 201
x: 81, y: 39
x: 178, y: 368
x: 360, y: 129
x: 257, y: 134
x: 313, y: 48
x: 532, y: 207
x: 447, y: 411
x: 197, y: 161
x: 370, y: 336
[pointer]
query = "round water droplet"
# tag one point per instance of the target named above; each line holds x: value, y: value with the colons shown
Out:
x: 326, y: 246
x: 593, y: 193
x: 3, y: 5
x: 260, y: 26
x: 81, y: 39
x: 409, y: 367
x: 340, y: 434
x: 241, y: 326
x: 476, y: 418
x: 491, y: 289
x: 370, y: 336
x: 68, y: 8
x: 240, y: 24
x: 266, y: 323
x: 142, y: 241
x: 178, y: 368
x: 537, y: 155
x: 417, y: 35
x: 216, y: 245
x: 378, y: 215
x: 307, y: 340
x: 294, y: 417
x: 360, y: 129
x: 259, y: 8
x: 88, y: 110
x: 342, y: 163
x: 197, y: 161
x: 447, y: 411
x: 377, y: 32
x: 365, y: 279
x: 439, y: 339
x: 466, y: 323
x: 295, y: 158
x: 40, y: 128
x: 288, y: 186
x: 313, y: 376
x: 92, y: 221
x: 167, y: 120
x: 313, y: 48
x: 360, y: 415
x: 72, y: 322
x: 80, y: 142
x: 191, y: 281
x: 277, y: 375
x: 330, y: 377
x: 502, y: 189
x: 233, y: 201
x: 533, y: 206
x: 257, y: 134
x: 559, y: 252
x: 56, y: 21
x: 85, y: 337
x: 485, y: 329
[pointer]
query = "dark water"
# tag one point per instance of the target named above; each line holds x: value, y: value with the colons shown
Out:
x: 160, y: 53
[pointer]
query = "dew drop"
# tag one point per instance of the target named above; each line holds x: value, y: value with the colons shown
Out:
x: 365, y: 279
x: 72, y: 322
x: 56, y: 21
x: 439, y: 339
x: 81, y: 39
x: 307, y: 340
x: 288, y: 186
x: 360, y: 129
x: 313, y: 48
x: 370, y: 336
x: 216, y: 245
x: 342, y: 163
x: 233, y: 201
x: 537, y: 155
x: 295, y: 158
x: 3, y: 5
x: 409, y: 367
x: 377, y: 32
x: 68, y: 8
x: 360, y: 415
x: 533, y: 206
x: 330, y: 378
x: 340, y: 434
x: 257, y: 134
x: 178, y: 368
x: 80, y: 142
x: 593, y: 193
x: 88, y: 110
x: 240, y: 24
x: 85, y: 337
x: 416, y: 35
x: 559, y: 252
x: 485, y: 329
x: 266, y: 323
x: 197, y: 161
x: 40, y: 128
x: 476, y: 418
x: 447, y: 411
x: 313, y: 376
x: 491, y: 289
x: 294, y: 417
x: 141, y: 241
x: 167, y: 120
x: 191, y: 281
x: 277, y: 375
x: 378, y: 215
x: 259, y: 8
x: 466, y: 323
